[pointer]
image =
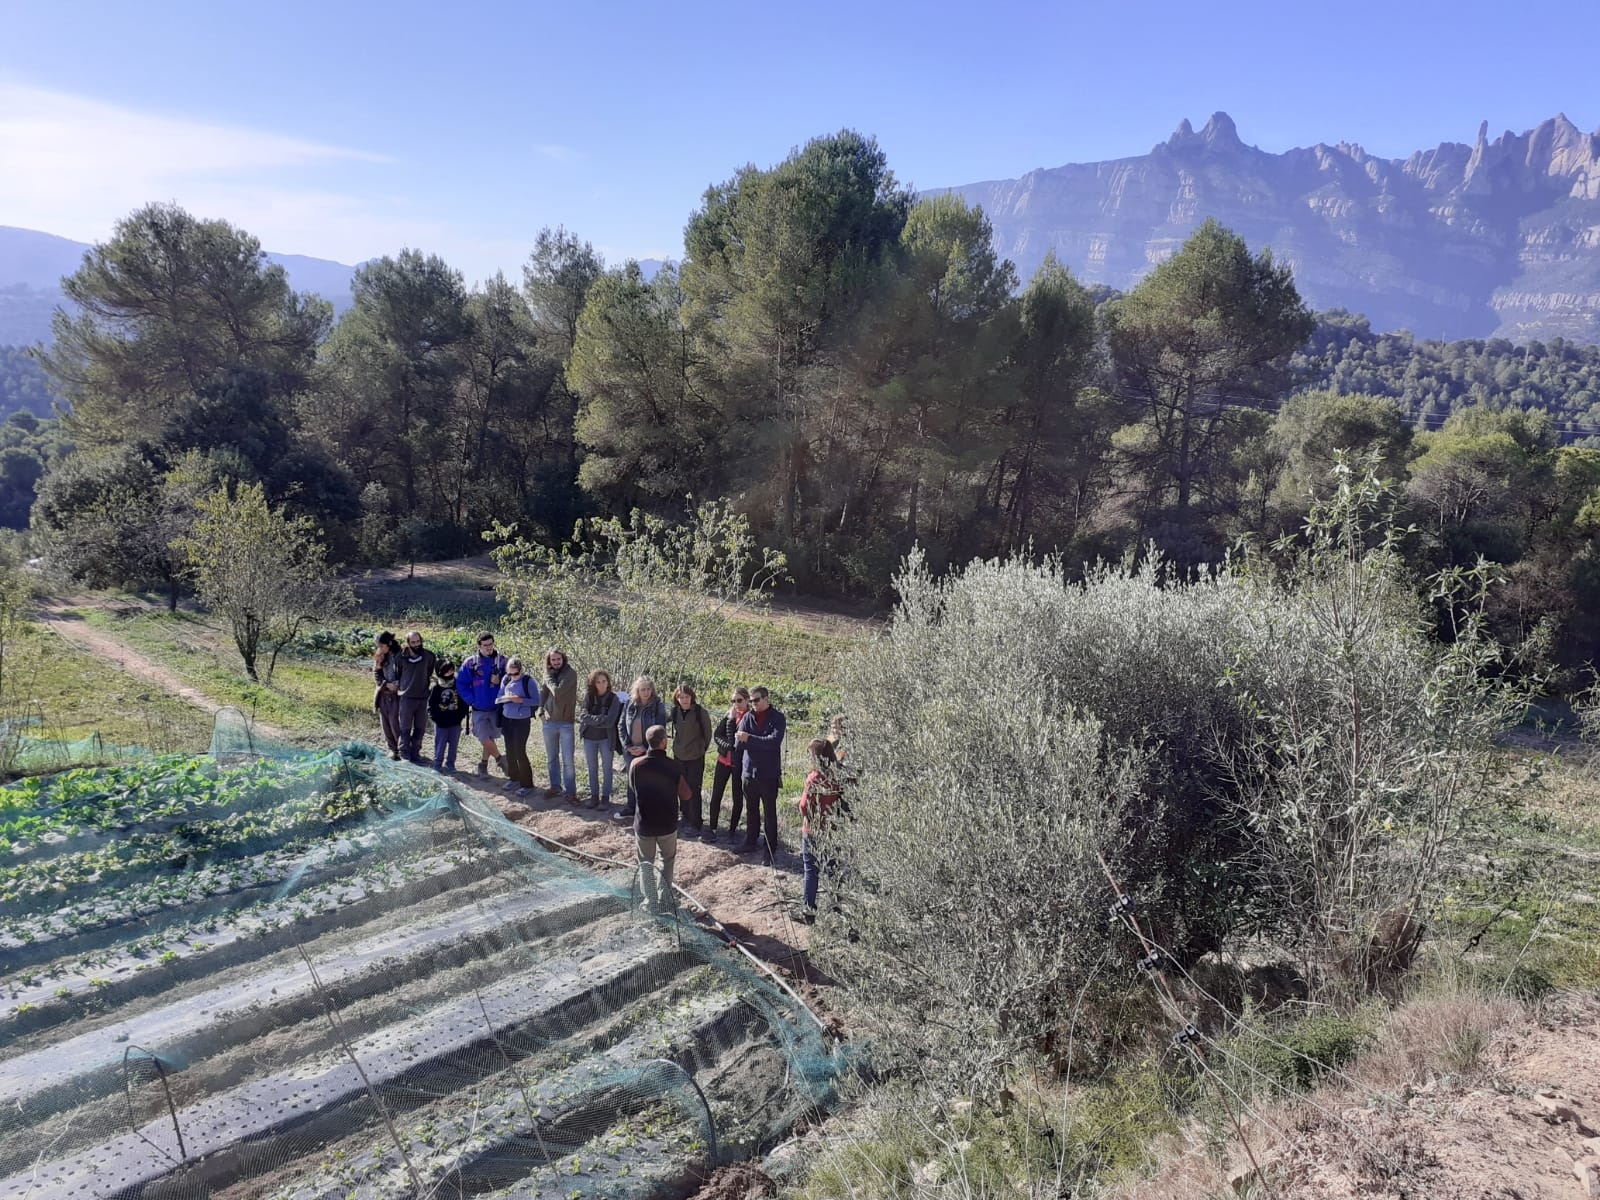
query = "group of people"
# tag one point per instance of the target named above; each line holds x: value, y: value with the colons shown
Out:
x: 497, y: 698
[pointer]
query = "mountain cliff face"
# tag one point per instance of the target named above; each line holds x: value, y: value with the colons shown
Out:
x: 1497, y: 238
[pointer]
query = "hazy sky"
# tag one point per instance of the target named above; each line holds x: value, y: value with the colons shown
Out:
x: 349, y: 129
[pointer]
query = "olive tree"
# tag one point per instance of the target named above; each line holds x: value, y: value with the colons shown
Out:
x: 1369, y: 758
x: 263, y: 570
x: 1278, y: 752
x: 973, y: 895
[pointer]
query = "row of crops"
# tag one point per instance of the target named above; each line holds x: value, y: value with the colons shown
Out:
x: 328, y: 975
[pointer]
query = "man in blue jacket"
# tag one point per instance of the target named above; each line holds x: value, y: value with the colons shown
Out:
x: 478, y: 681
x: 761, y: 734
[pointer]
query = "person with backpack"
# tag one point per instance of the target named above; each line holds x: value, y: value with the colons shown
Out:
x: 691, y: 738
x: 415, y: 681
x: 602, y: 710
x: 448, y: 711
x: 642, y: 710
x: 478, y: 681
x: 558, y: 702
x: 386, y: 689
x: 761, y: 733
x: 818, y: 799
x: 730, y: 762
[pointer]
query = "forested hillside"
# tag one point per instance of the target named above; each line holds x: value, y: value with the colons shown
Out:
x: 1432, y: 379
x: 23, y: 385
x: 855, y: 370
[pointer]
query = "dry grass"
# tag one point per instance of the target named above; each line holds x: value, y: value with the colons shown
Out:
x: 1352, y: 1135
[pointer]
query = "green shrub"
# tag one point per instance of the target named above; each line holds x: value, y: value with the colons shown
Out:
x: 1295, y: 1056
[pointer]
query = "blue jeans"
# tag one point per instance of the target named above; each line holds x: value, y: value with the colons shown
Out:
x: 812, y: 863
x: 558, y: 751
x: 445, y: 740
x: 596, y: 753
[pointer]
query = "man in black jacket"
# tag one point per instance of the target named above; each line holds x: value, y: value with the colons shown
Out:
x: 416, y: 678
x: 659, y: 784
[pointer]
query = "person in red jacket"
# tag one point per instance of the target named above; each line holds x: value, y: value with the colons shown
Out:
x: 818, y: 800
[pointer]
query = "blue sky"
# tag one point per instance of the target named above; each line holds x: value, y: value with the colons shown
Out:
x: 349, y: 129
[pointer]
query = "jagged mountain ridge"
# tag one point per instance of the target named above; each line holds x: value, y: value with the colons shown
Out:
x: 1497, y: 238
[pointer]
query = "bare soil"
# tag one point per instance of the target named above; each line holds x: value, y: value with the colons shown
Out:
x: 1524, y: 1124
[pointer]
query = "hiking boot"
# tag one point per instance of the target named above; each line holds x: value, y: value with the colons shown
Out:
x: 550, y: 793
x: 483, y: 768
x: 572, y: 798
x: 395, y: 754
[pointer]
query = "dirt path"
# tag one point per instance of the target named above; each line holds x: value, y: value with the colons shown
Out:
x: 755, y: 902
x: 60, y: 616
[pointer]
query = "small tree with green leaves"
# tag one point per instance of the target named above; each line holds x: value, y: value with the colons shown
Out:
x: 641, y: 596
x: 266, y: 572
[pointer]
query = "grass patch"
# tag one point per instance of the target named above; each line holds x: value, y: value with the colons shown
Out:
x: 330, y: 700
x: 67, y: 695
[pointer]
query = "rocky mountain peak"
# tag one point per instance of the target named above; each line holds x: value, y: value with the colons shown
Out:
x: 1492, y: 236
x: 1219, y: 133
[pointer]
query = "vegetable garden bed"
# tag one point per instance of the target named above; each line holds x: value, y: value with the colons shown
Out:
x: 323, y: 976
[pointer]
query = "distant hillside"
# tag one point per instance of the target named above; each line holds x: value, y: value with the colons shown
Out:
x: 1498, y: 238
x: 23, y: 384
x: 32, y: 264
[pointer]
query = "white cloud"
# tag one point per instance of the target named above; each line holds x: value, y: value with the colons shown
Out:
x: 555, y: 151
x: 74, y: 166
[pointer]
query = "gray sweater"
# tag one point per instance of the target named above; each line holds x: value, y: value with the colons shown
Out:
x: 416, y: 673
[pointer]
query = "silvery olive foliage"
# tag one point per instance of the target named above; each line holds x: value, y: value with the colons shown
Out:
x: 1279, y: 751
x: 970, y: 877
